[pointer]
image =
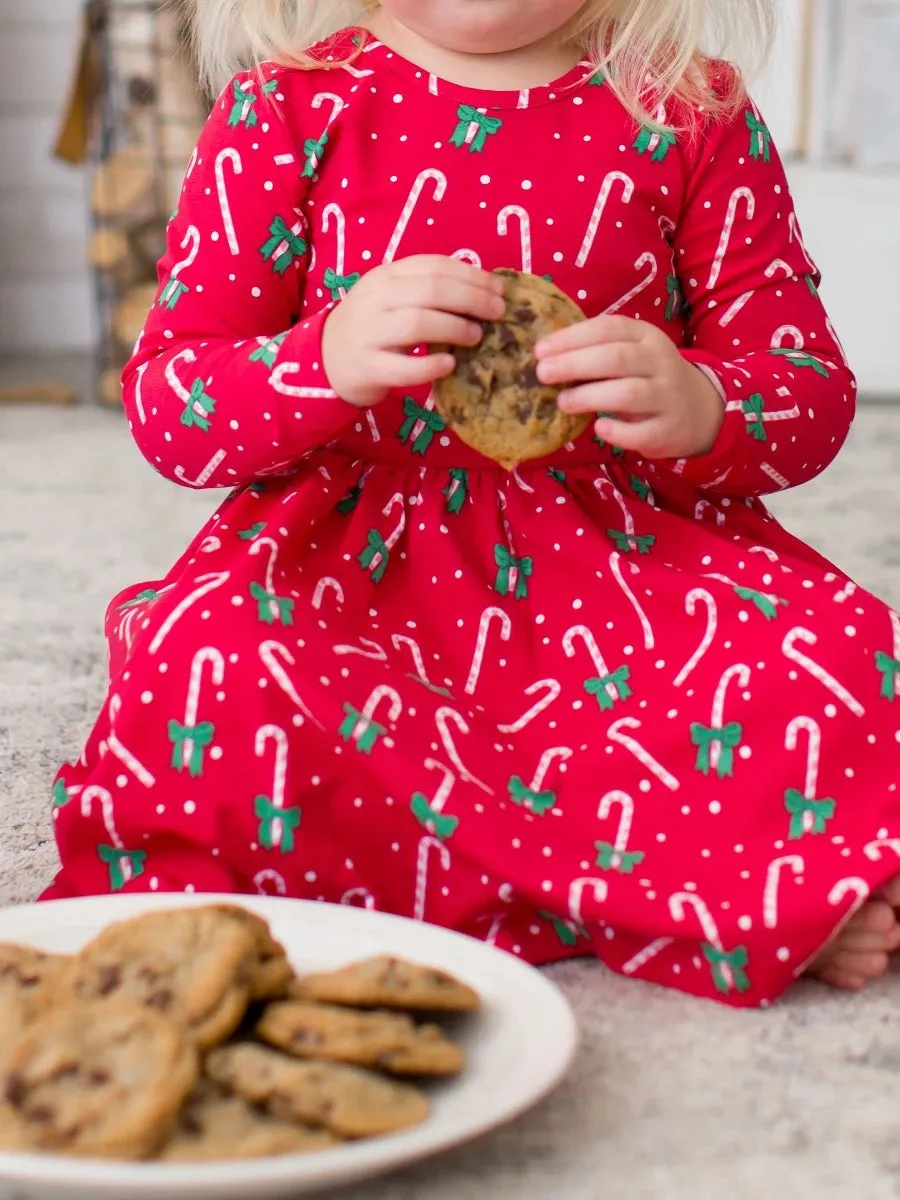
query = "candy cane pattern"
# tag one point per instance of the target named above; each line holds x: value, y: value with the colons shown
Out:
x: 327, y: 584
x: 445, y: 789
x: 206, y: 474
x: 739, y: 194
x: 264, y: 735
x: 678, y: 908
x: 277, y: 382
x: 796, y: 236
x: 797, y: 866
x: 599, y: 890
x: 644, y: 956
x: 191, y: 243
x: 335, y: 212
x: 552, y: 690
x: 615, y: 565
x: 108, y: 816
x: 256, y: 549
x: 360, y: 893
x: 472, y: 257
x: 788, y: 332
x: 366, y: 649
x: 439, y: 179
x: 427, y: 847
x: 443, y: 719
x: 625, y: 804
x: 488, y: 618
x: 742, y: 301
x: 790, y: 652
x: 207, y: 584
x: 228, y: 155
x: 269, y: 876
x: 813, y: 757
x: 874, y: 851
x: 581, y: 633
x: 644, y: 757
x: 846, y: 887
x: 600, y: 206
x: 400, y: 639
x: 694, y: 597
x: 272, y: 656
x: 645, y: 261
x: 740, y: 674
x: 209, y: 655
x: 139, y: 393
x: 183, y: 356
x: 122, y: 753
x: 560, y: 754
x: 503, y: 219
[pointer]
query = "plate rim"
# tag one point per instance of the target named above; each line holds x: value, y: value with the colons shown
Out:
x: 341, y: 1166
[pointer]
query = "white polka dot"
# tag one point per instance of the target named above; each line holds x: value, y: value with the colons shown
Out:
x: 190, y: 807
x: 146, y: 697
x: 527, y: 185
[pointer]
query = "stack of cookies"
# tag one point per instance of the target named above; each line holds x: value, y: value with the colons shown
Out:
x: 185, y: 1036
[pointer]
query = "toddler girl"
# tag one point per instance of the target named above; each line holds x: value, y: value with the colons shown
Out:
x: 602, y: 704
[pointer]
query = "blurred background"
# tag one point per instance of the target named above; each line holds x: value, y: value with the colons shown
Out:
x: 98, y: 113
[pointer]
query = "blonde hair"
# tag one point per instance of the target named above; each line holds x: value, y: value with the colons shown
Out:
x: 653, y: 51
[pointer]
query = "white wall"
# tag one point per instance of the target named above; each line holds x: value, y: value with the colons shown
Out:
x: 45, y: 297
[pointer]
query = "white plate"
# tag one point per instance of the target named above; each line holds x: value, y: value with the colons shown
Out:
x: 520, y: 1048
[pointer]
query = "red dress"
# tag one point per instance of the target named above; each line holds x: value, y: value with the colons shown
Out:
x: 600, y: 705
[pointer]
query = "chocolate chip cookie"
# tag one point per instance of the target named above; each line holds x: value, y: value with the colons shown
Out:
x: 28, y: 983
x: 104, y: 1079
x: 215, y: 1127
x: 271, y: 973
x: 386, y: 982
x: 494, y: 401
x: 347, y: 1101
x: 194, y: 965
x: 391, y: 1042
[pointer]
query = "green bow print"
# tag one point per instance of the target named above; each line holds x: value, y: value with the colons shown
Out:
x: 617, y: 681
x: 753, y: 407
x: 172, y: 293
x: 268, y: 814
x: 201, y: 400
x: 800, y: 807
x: 486, y: 126
x: 267, y: 354
x: 442, y: 827
x: 60, y: 794
x: 890, y: 671
x: 760, y: 138
x: 198, y: 738
x: 314, y: 149
x: 506, y: 564
x: 567, y: 931
x: 432, y: 423
x: 251, y: 534
x: 115, y: 860
x: 644, y: 141
x: 641, y: 490
x: 282, y: 247
x: 142, y: 598
x: 766, y: 604
x: 377, y: 548
x: 337, y: 284
x: 540, y: 803
x: 272, y: 608
x: 736, y: 960
x: 366, y: 731
x: 457, y: 491
x: 597, y: 80
x: 799, y: 358
x: 348, y: 504
x: 676, y: 297
x: 627, y: 542
x: 609, y: 858
x: 258, y: 488
x: 811, y: 284
x: 243, y: 111
x: 704, y: 738
x: 557, y: 474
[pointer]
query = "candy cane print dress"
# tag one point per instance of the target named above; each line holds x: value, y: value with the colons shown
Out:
x: 595, y: 706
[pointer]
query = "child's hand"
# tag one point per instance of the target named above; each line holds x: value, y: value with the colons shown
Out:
x: 424, y: 299
x: 658, y: 404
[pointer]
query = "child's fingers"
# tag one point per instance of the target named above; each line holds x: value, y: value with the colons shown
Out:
x: 410, y: 370
x: 429, y: 266
x: 595, y: 332
x: 625, y: 399
x: 403, y: 328
x: 446, y: 294
x: 617, y: 360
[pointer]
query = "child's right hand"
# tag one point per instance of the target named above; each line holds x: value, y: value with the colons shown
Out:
x: 425, y: 299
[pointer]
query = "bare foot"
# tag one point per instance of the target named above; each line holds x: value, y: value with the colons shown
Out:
x: 861, y: 951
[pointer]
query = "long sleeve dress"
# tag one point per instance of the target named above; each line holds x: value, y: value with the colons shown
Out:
x: 596, y: 706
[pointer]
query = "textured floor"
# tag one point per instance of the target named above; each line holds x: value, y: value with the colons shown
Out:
x: 671, y: 1099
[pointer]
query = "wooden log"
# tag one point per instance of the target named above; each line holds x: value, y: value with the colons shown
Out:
x: 108, y: 249
x: 131, y: 313
x: 109, y: 388
x: 123, y: 186
x: 42, y: 392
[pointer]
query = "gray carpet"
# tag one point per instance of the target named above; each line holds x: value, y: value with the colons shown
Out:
x: 671, y: 1099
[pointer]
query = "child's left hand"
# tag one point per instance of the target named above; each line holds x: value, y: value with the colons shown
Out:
x: 655, y: 403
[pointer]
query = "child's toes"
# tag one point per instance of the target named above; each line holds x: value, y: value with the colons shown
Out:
x: 891, y: 893
x: 851, y: 970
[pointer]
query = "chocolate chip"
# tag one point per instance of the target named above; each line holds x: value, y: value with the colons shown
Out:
x: 16, y: 1089
x: 110, y: 978
x: 523, y: 412
x: 69, y: 1071
x: 162, y: 998
x: 149, y: 975
x: 42, y: 1115
x: 530, y: 378
x: 525, y: 316
x: 192, y: 1124
x: 507, y: 340
x: 98, y: 1078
